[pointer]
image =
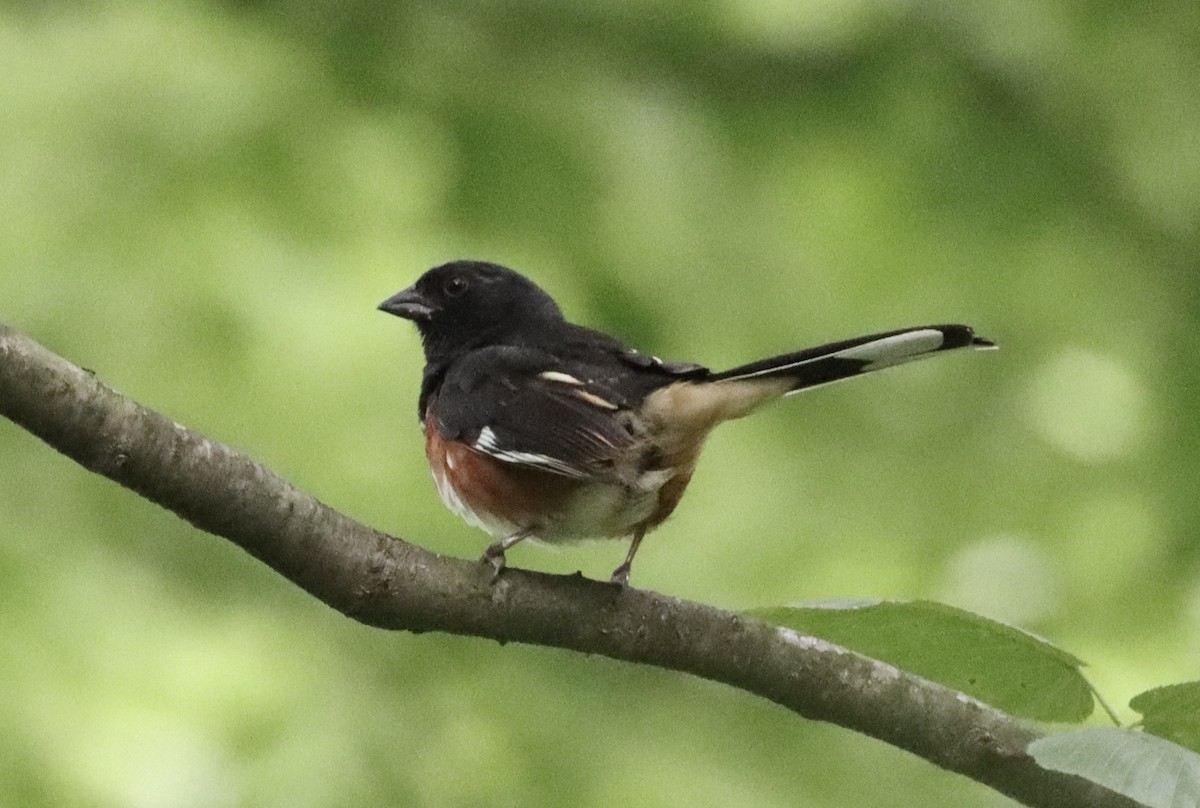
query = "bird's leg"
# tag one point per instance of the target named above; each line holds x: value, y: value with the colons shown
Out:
x: 621, y: 574
x: 494, y: 554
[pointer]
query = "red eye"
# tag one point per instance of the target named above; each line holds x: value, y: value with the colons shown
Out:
x: 455, y: 286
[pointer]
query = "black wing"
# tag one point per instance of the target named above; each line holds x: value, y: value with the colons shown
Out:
x: 529, y: 407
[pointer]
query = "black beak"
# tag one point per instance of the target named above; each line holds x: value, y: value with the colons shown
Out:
x: 409, y: 304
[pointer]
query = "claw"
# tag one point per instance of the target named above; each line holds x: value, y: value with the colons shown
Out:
x: 620, y: 575
x: 494, y: 555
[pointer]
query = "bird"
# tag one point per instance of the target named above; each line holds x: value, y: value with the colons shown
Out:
x: 537, y: 428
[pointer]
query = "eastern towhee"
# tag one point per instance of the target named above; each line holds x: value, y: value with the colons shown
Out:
x: 539, y: 428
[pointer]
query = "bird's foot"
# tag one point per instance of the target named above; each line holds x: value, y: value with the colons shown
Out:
x: 620, y: 575
x: 494, y: 556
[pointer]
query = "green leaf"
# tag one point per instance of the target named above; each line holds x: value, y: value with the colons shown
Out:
x: 1143, y: 767
x: 1004, y: 666
x: 1172, y: 712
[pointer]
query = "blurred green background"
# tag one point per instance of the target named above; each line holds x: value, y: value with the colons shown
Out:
x: 203, y: 202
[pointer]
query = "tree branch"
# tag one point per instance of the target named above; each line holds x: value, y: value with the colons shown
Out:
x: 386, y: 582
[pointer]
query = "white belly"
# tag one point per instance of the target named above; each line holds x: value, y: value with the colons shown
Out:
x: 596, y: 510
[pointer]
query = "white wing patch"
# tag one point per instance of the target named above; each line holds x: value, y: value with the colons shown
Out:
x: 556, y: 376
x: 593, y: 399
x: 487, y: 443
x: 577, y: 389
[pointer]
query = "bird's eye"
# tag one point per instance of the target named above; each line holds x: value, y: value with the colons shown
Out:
x: 455, y: 286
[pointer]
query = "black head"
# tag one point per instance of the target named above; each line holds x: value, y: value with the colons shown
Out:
x: 466, y: 304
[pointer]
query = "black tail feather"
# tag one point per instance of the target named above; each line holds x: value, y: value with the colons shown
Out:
x: 843, y: 360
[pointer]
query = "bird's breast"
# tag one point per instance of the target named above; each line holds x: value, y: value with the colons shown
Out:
x: 504, y: 498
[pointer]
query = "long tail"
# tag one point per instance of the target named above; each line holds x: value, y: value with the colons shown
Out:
x: 692, y: 407
x: 826, y: 364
